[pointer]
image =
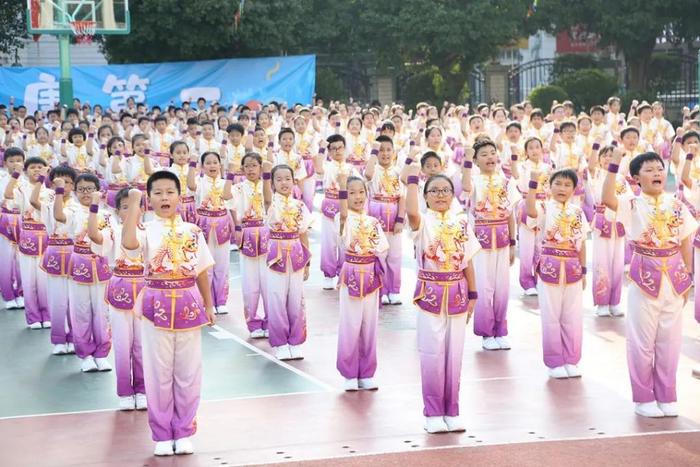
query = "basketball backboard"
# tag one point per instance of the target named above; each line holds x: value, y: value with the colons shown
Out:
x: 56, y: 16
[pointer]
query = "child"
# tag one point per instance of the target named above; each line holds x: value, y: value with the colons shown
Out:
x: 288, y: 259
x: 659, y: 227
x: 115, y: 172
x: 287, y: 156
x: 122, y: 290
x: 43, y: 148
x: 10, y: 281
x: 388, y: 206
x: 562, y: 229
x: 233, y: 153
x: 31, y: 241
x: 304, y: 148
x: 252, y: 237
x: 161, y: 141
x: 364, y: 244
x: 356, y: 146
x: 212, y: 195
x: 176, y: 258
x: 77, y: 152
x: 56, y: 260
x: 207, y: 142
x: 492, y: 199
x: 445, y: 294
x: 89, y: 273
x: 180, y: 153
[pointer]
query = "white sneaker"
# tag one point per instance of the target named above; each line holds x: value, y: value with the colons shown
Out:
x: 395, y: 298
x: 328, y: 283
x: 127, y: 403
x: 183, y: 446
x: 70, y: 348
x: 11, y: 305
x: 385, y: 300
x: 221, y: 310
x: 59, y: 349
x: 141, y: 403
x: 648, y: 409
x: 234, y: 247
x: 295, y: 352
x: 103, y: 364
x: 572, y: 371
x: 35, y: 326
x: 454, y: 423
x: 351, y: 384
x: 602, y: 311
x: 617, y: 311
x: 503, y: 343
x: 88, y: 365
x: 490, y: 343
x: 558, y: 373
x: 670, y: 409
x: 435, y: 425
x: 531, y: 292
x: 282, y: 353
x: 20, y: 302
x: 257, y: 334
x: 46, y: 324
x: 164, y: 448
x: 696, y: 372
x: 368, y: 384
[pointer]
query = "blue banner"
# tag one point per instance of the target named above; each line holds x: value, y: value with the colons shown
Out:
x: 284, y: 79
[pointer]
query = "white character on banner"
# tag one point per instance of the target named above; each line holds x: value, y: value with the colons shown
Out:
x: 42, y: 95
x: 122, y: 89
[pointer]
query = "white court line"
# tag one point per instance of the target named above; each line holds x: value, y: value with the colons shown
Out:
x: 223, y: 332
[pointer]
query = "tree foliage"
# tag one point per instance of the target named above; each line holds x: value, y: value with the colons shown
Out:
x: 13, y: 26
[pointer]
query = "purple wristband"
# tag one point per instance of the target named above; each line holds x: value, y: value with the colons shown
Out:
x: 532, y: 184
x: 472, y: 295
x: 399, y: 220
x: 584, y: 270
x: 322, y: 150
x: 374, y: 152
x: 679, y: 139
x: 614, y: 143
x: 412, y: 143
x: 512, y: 242
x: 24, y: 136
x: 94, y: 208
x: 42, y: 178
x: 514, y: 157
x: 412, y: 180
x: 557, y: 130
x: 63, y: 140
x: 91, y: 135
x: 343, y: 194
x: 147, y: 151
x: 689, y: 156
x: 267, y: 176
x: 103, y: 146
x: 230, y: 176
x: 60, y: 190
x: 193, y: 164
x: 223, y: 141
x: 596, y: 146
x: 238, y: 228
x: 15, y: 175
x: 613, y: 168
x: 408, y: 161
x: 468, y: 164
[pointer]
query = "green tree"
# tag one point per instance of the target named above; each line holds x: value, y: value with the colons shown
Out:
x: 13, y: 26
x: 631, y: 26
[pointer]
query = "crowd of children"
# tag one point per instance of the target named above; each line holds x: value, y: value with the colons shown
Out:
x: 129, y: 219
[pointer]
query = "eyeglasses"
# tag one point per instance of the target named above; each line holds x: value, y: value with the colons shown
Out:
x: 86, y: 189
x: 440, y: 191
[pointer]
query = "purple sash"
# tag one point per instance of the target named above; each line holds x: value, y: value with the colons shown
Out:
x: 330, y: 206
x: 649, y: 264
x: 438, y: 292
x: 32, y: 238
x: 605, y: 226
x: 86, y: 267
x: 9, y: 224
x: 255, y: 237
x: 385, y: 211
x: 187, y: 210
x: 218, y: 221
x: 57, y: 256
x: 173, y: 304
x: 362, y: 275
x: 112, y: 190
x: 309, y: 165
x: 163, y: 159
x: 285, y: 247
x: 559, y: 266
x: 696, y: 239
x: 488, y: 231
x: 124, y: 287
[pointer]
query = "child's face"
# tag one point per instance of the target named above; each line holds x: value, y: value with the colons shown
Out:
x: 287, y: 141
x: 161, y: 126
x: 597, y: 117
x: 283, y: 182
x: 29, y: 125
x: 386, y: 154
x: 513, y: 134
x: 139, y: 146
x: 689, y: 142
x: 439, y: 195
x: 561, y: 189
x: 123, y: 209
x: 368, y: 120
x: 42, y: 136
x: 357, y: 196
x: 251, y: 169
x: 486, y: 159
x: 432, y: 166
x: 33, y: 172
x: 584, y: 126
x: 537, y: 122
x: 164, y: 197
x: 476, y: 124
x: 300, y: 125
x: 434, y: 137
x: 337, y: 151
x: 235, y: 137
x: 605, y: 158
x: 630, y: 140
x: 615, y: 107
x: 212, y: 166
x: 192, y: 129
x: 78, y: 140
x: 208, y: 131
x: 568, y: 134
x: 645, y: 115
x: 69, y: 184
x: 652, y: 178
x: 354, y: 126
x: 144, y: 125
x: 117, y: 146
x: 658, y: 111
x: 126, y: 121
x: 181, y: 154
x: 14, y: 164
x: 534, y: 151
x: 259, y: 138
x: 85, y: 189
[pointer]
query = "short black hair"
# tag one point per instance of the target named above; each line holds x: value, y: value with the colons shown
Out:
x: 75, y: 131
x: 285, y: 130
x: 209, y: 153
x: 282, y: 167
x: 121, y: 194
x: 62, y: 171
x: 483, y: 142
x: 235, y: 127
x: 162, y: 175
x: 437, y: 177
x: 336, y: 138
x: 564, y: 173
x: 252, y: 155
x: 627, y: 130
x: 34, y: 160
x: 428, y: 155
x: 688, y: 135
x: 567, y: 124
x: 384, y: 139
x: 88, y: 177
x: 13, y: 152
x: 637, y: 162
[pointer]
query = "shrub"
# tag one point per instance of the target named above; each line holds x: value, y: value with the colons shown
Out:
x: 568, y: 63
x: 329, y: 85
x: 588, y: 87
x: 543, y: 96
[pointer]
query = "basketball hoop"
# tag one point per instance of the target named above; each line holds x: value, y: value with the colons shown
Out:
x: 84, y: 31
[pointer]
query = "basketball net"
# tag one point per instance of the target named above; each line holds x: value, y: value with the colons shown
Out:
x: 84, y: 31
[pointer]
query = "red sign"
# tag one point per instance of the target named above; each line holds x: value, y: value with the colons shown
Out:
x: 575, y: 40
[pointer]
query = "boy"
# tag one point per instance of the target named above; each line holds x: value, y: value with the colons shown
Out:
x: 10, y: 282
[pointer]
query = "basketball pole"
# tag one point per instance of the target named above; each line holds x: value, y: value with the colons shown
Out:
x: 65, y: 84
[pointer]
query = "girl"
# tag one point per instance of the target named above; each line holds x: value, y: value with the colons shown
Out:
x: 288, y: 261
x: 287, y: 156
x: 212, y: 195
x: 562, y: 229
x: 122, y: 290
x: 445, y: 294
x: 364, y: 243
x: 304, y: 147
x: 180, y: 154
x: 10, y: 281
x: 115, y: 172
x: 356, y: 147
x: 43, y: 148
x: 252, y: 237
x: 77, y: 151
